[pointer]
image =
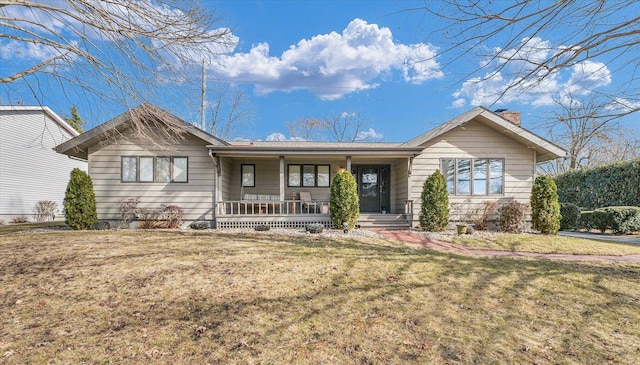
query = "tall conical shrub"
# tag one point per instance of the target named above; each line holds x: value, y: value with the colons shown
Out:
x: 434, y: 212
x: 80, y: 201
x: 545, y: 209
x: 344, y: 200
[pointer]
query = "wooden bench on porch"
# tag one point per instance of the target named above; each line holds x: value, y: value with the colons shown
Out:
x: 261, y: 203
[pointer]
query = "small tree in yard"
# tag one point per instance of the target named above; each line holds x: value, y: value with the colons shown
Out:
x: 434, y: 212
x: 545, y: 209
x: 344, y: 200
x: 80, y: 201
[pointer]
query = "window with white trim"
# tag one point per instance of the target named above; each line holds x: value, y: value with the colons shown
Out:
x: 477, y: 176
x: 149, y: 169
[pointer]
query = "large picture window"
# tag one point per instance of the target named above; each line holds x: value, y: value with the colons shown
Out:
x: 149, y: 169
x: 480, y: 176
x: 309, y: 176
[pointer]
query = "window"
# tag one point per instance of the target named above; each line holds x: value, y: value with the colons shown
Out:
x: 323, y: 176
x: 163, y: 169
x: 146, y: 169
x: 154, y: 169
x: 248, y: 175
x: 129, y: 169
x: 309, y: 176
x: 449, y: 172
x: 464, y: 177
x: 480, y: 176
x: 496, y: 176
x: 294, y: 175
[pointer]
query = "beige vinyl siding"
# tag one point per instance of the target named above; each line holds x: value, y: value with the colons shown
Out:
x: 475, y: 140
x: 225, y: 179
x: 195, y: 197
x: 30, y: 170
x: 399, y: 184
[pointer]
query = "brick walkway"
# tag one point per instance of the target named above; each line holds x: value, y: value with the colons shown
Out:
x: 416, y: 239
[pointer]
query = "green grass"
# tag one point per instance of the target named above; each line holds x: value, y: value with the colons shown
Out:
x: 540, y: 243
x: 181, y: 298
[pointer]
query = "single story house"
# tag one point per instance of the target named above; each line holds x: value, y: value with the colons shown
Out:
x: 483, y: 155
x: 30, y: 170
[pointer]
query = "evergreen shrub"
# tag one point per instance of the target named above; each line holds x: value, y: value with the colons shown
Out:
x: 80, y: 201
x: 570, y: 216
x: 545, y: 209
x: 434, y: 210
x: 344, y: 203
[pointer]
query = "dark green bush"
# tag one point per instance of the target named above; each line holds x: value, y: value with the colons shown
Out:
x: 622, y: 220
x: 344, y: 203
x: 80, y: 201
x: 600, y: 219
x: 587, y: 220
x: 545, y: 209
x: 513, y: 216
x: 434, y: 210
x: 570, y: 216
x: 616, y: 184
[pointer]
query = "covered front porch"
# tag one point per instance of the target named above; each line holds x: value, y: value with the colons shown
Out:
x: 285, y: 186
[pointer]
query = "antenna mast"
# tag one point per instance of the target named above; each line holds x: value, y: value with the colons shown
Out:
x: 204, y: 88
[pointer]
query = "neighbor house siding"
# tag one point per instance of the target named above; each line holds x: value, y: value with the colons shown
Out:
x: 475, y: 140
x: 30, y: 170
x: 195, y: 197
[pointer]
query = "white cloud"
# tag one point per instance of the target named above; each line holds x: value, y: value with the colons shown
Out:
x: 506, y: 85
x: 14, y: 50
x: 623, y: 105
x: 332, y: 65
x: 369, y: 135
x: 276, y: 137
x: 279, y: 137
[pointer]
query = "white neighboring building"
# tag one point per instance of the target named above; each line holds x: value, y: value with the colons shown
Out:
x: 30, y: 170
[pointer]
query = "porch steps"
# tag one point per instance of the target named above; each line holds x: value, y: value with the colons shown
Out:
x: 386, y: 221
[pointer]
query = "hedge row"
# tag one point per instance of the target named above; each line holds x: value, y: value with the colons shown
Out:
x: 616, y: 184
x: 620, y: 220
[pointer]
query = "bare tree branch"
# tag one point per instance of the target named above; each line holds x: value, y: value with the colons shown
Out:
x: 117, y: 51
x: 580, y: 31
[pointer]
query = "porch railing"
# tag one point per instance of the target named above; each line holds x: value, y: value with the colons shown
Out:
x: 269, y: 207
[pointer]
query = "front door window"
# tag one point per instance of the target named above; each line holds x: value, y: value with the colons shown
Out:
x: 373, y: 184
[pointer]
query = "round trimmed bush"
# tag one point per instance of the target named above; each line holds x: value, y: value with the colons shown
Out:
x: 570, y: 216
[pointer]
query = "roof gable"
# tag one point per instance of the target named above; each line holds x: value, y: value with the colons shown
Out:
x: 78, y: 146
x: 546, y: 150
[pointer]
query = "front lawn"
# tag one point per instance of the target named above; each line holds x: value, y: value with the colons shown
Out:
x: 539, y: 243
x: 188, y: 297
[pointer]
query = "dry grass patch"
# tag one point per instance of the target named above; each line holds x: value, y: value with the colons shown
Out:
x: 177, y: 297
x: 540, y: 243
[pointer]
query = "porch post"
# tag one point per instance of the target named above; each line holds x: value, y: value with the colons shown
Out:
x: 349, y: 164
x: 282, y: 178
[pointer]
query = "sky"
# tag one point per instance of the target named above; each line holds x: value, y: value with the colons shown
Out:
x: 380, y: 60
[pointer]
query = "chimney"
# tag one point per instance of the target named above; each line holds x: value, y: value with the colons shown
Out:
x: 513, y: 117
